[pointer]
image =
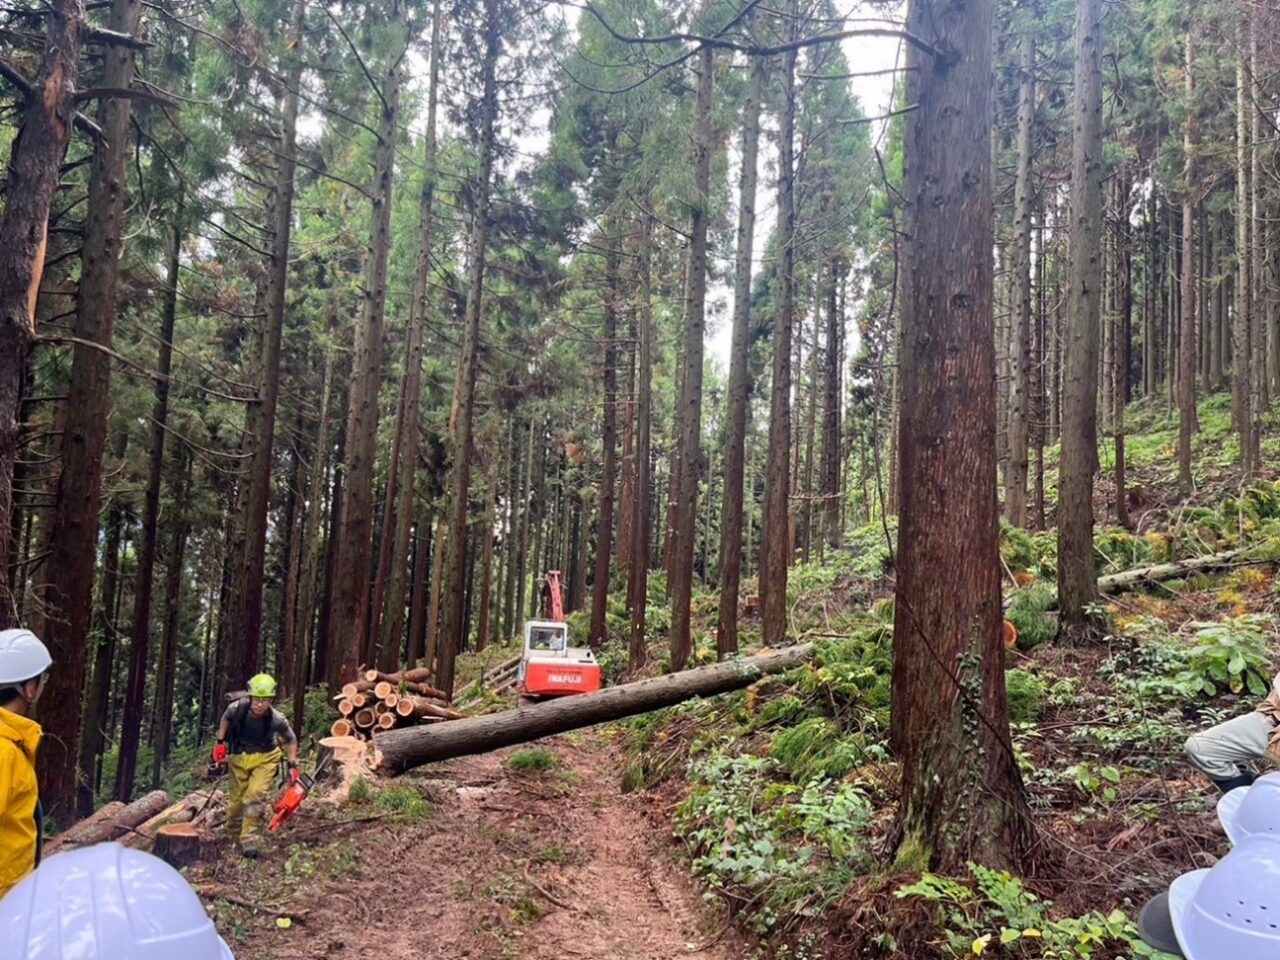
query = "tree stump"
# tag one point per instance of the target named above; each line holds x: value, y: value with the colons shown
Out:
x: 182, y: 844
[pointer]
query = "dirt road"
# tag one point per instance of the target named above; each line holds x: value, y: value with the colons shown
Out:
x: 505, y: 864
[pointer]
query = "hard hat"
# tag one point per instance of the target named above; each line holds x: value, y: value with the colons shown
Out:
x: 1253, y: 810
x: 22, y: 657
x: 106, y: 902
x: 1232, y: 910
x: 262, y: 685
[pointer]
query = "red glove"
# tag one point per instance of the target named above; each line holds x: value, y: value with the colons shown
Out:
x: 294, y: 775
x: 219, y: 753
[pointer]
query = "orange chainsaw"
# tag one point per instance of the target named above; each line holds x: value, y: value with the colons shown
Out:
x: 291, y: 797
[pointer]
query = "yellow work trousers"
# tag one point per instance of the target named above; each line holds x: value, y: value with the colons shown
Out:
x: 252, y: 777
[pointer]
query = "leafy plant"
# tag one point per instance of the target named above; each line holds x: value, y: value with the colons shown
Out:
x: 1231, y: 654
x: 1095, y: 782
x: 1028, y: 610
x: 994, y: 914
x: 1025, y: 692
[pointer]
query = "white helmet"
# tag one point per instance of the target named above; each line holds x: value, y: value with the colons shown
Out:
x: 106, y: 902
x: 22, y: 657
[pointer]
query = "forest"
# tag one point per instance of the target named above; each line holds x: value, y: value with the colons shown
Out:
x: 327, y: 329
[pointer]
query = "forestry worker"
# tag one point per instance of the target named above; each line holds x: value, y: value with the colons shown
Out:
x: 1225, y: 753
x: 24, y: 666
x: 250, y: 736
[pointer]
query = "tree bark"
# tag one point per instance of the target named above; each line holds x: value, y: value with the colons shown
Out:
x: 833, y: 365
x: 484, y: 630
x: 399, y: 750
x: 598, y: 632
x: 739, y: 372
x: 260, y: 418
x: 1077, y: 579
x: 1260, y: 399
x: 1020, y: 393
x: 962, y: 793
x: 35, y: 161
x: 67, y: 576
x: 460, y: 475
x: 349, y: 616
x: 140, y: 636
x: 644, y: 499
x: 172, y: 611
x: 775, y: 540
x: 689, y: 406
x: 1124, y: 312
x: 393, y: 617
x: 1187, y: 327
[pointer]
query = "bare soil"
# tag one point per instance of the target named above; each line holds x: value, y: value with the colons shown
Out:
x: 506, y: 864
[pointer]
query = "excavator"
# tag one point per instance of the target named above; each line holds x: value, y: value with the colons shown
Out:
x: 549, y: 667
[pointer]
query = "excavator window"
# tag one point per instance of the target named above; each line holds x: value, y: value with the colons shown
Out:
x: 546, y: 638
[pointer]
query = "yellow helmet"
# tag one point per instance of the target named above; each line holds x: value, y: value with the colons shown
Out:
x: 263, y: 685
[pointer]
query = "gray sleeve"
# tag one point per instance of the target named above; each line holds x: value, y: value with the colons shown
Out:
x: 280, y: 727
x: 229, y: 714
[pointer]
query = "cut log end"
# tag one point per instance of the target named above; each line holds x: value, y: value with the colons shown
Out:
x: 181, y: 844
x: 341, y: 728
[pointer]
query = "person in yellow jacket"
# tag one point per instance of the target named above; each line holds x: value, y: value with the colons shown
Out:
x: 24, y: 665
x: 250, y: 736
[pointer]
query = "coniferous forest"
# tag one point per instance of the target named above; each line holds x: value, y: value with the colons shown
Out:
x: 940, y: 338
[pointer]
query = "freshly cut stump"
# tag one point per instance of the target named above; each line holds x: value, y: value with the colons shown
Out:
x: 182, y: 844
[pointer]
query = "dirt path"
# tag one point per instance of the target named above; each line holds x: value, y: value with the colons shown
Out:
x: 557, y: 864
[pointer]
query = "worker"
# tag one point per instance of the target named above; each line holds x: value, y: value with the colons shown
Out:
x: 250, y: 735
x: 1226, y: 752
x: 24, y: 665
x: 106, y: 902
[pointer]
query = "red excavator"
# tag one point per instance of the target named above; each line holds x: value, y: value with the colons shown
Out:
x: 550, y: 667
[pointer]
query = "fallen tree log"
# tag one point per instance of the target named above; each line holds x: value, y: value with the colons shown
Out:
x: 398, y: 750
x: 1128, y: 579
x: 126, y: 820
x: 416, y: 675
x: 418, y: 707
x: 87, y: 826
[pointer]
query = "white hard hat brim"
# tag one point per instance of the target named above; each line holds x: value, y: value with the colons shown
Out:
x: 1229, y: 812
x: 226, y: 951
x: 23, y: 657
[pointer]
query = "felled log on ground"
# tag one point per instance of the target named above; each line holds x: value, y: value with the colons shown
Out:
x: 73, y: 835
x: 199, y: 805
x: 1128, y: 579
x: 182, y: 844
x: 416, y: 675
x: 126, y: 820
x: 398, y: 750
x: 421, y: 707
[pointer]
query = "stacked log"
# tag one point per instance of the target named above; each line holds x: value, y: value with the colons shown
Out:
x: 110, y: 823
x: 378, y: 701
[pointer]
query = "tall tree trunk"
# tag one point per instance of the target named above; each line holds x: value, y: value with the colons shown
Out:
x: 35, y: 164
x: 739, y: 372
x: 1187, y: 328
x: 260, y: 418
x: 627, y: 492
x: 526, y: 510
x: 67, y: 580
x: 774, y: 539
x: 1020, y: 394
x: 1077, y: 578
x: 460, y: 475
x: 422, y: 553
x: 1260, y: 399
x: 962, y: 794
x: 96, y: 732
x: 172, y: 610
x: 598, y: 633
x: 1240, y: 328
x: 644, y: 499
x: 393, y: 618
x: 484, y: 630
x: 689, y: 407
x: 349, y: 617
x: 313, y: 539
x: 833, y: 366
x: 140, y: 636
x: 1124, y: 313
x: 1039, y: 403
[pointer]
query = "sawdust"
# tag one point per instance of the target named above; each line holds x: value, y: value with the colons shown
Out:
x: 560, y: 864
x: 351, y: 759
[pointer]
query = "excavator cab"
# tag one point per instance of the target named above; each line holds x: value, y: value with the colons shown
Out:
x: 549, y: 667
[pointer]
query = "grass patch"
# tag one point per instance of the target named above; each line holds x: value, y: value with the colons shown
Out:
x: 405, y: 801
x: 533, y: 760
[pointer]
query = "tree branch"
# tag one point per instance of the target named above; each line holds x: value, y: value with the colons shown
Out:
x: 360, y: 60
x: 114, y: 38
x: 15, y: 77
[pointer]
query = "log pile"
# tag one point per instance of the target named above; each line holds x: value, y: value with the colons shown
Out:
x: 384, y: 701
x: 179, y: 832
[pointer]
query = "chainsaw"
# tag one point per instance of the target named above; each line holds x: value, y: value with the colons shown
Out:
x: 291, y: 797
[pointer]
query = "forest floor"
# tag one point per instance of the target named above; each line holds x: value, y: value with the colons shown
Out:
x: 498, y: 863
